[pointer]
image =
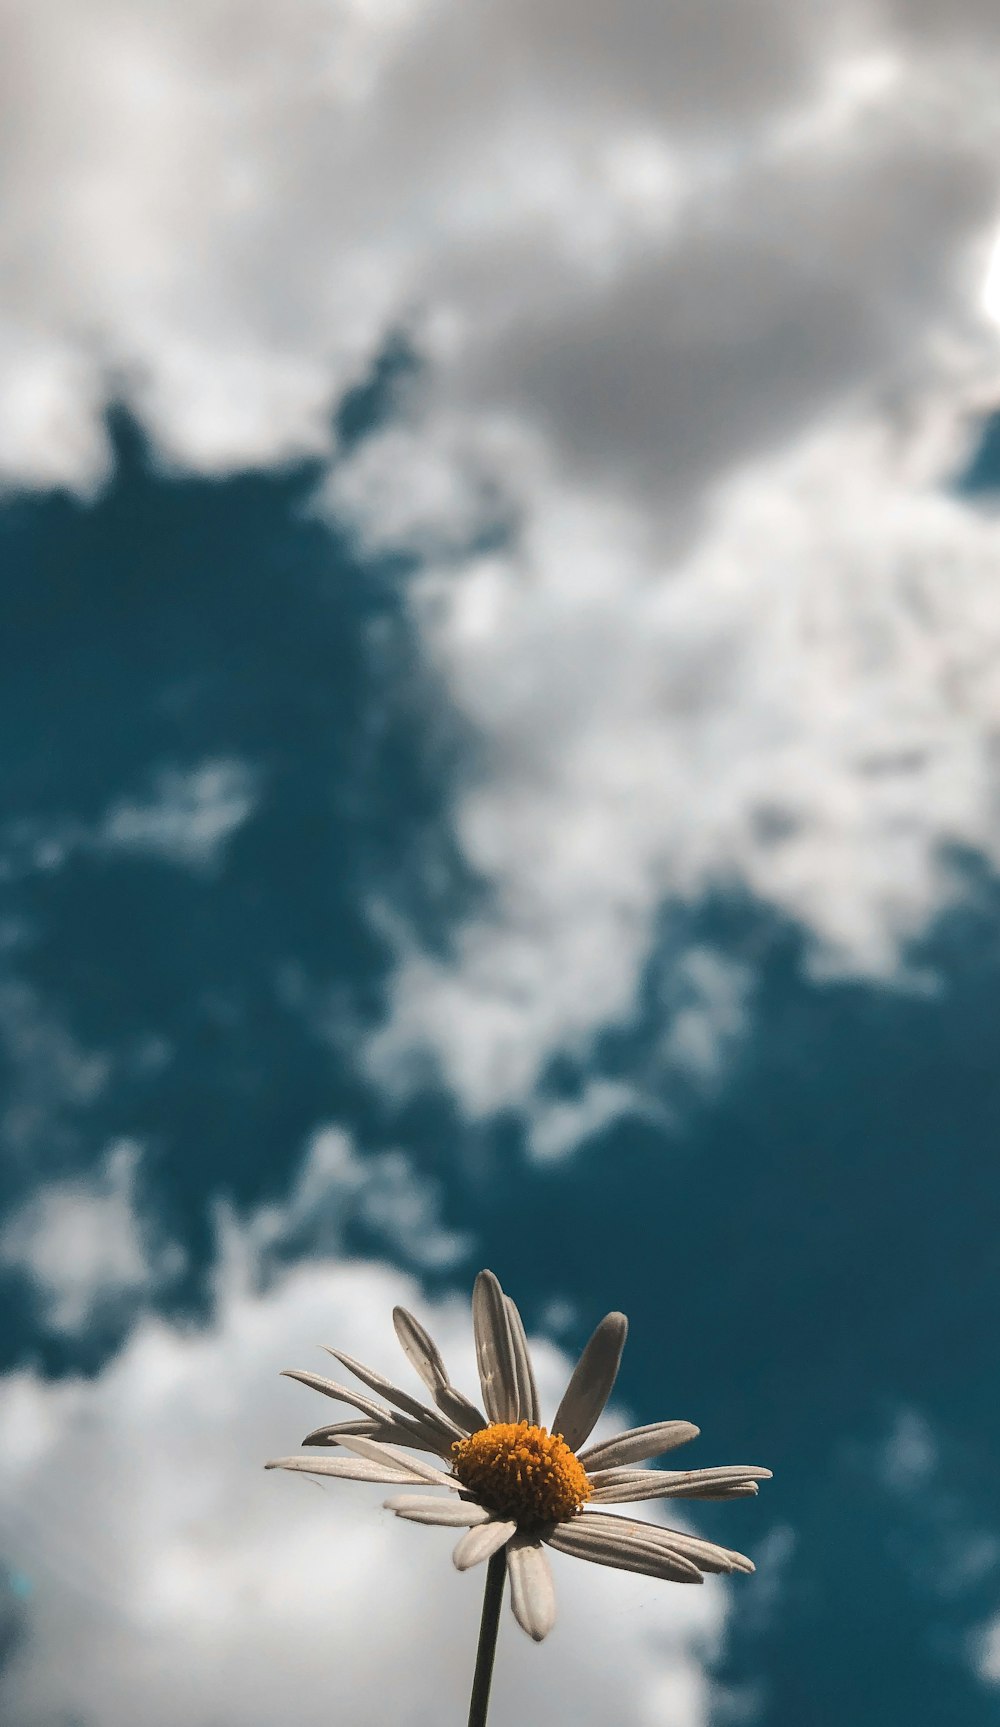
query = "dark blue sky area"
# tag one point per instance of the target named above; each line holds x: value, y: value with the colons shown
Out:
x: 815, y: 1249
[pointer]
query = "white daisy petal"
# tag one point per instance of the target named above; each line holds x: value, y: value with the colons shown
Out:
x: 494, y: 1348
x: 430, y: 1418
x: 464, y: 1414
x: 532, y: 1595
x: 340, y: 1393
x: 619, y: 1548
x: 420, y: 1349
x: 424, y: 1355
x: 739, y: 1490
x: 446, y: 1513
x: 707, y: 1555
x: 389, y: 1432
x: 627, y: 1473
x: 527, y: 1391
x: 592, y: 1380
x: 428, y: 1501
x: 390, y: 1454
x: 482, y: 1543
x: 721, y: 1473
x: 351, y: 1468
x: 330, y: 1434
x: 636, y: 1444
x: 427, y: 1437
x: 618, y: 1487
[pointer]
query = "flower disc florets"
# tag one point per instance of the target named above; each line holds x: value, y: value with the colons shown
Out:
x: 522, y: 1472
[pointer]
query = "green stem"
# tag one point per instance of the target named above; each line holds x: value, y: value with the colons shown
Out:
x: 496, y: 1572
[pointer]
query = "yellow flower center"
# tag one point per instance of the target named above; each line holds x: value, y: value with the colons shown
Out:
x: 522, y: 1472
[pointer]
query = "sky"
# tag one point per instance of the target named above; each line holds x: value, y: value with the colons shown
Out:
x: 500, y: 701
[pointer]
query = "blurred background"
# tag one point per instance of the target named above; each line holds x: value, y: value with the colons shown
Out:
x: 500, y: 706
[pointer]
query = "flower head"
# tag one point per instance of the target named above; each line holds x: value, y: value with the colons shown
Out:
x: 510, y: 1482
x: 520, y: 1471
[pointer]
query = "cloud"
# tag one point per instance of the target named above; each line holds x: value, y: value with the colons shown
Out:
x: 944, y: 1544
x: 91, y: 1252
x: 86, y: 1247
x: 910, y: 1455
x: 987, y: 1652
x: 185, y: 816
x: 802, y: 706
x: 51, y: 1075
x: 188, y: 817
x: 659, y: 242
x: 697, y: 301
x: 170, y: 1576
x: 559, y: 1126
x: 335, y: 1190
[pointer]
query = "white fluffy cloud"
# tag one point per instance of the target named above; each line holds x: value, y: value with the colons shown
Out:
x: 183, y: 815
x: 947, y: 1544
x: 169, y: 1577
x: 803, y: 703
x: 86, y: 1246
x: 50, y: 1074
x: 90, y: 1250
x: 188, y: 816
x: 987, y: 1653
x: 382, y: 1192
x: 699, y: 293
x: 660, y: 236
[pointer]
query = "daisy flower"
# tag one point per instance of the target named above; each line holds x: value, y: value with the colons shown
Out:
x: 512, y: 1486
